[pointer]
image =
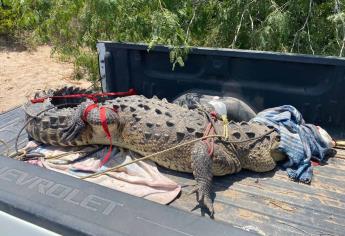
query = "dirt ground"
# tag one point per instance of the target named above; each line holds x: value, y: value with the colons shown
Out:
x: 23, y: 72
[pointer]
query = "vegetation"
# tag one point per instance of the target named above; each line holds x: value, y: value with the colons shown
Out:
x: 73, y: 27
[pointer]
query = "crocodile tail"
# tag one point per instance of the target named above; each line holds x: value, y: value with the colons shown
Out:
x: 71, y: 90
x: 46, y: 119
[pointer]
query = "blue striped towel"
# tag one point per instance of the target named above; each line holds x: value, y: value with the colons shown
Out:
x: 299, y: 141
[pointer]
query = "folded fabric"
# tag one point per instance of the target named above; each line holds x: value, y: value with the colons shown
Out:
x: 301, y: 142
x: 141, y: 179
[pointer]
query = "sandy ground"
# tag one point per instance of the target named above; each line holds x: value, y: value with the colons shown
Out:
x: 22, y: 73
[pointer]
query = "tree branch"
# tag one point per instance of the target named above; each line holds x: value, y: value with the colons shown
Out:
x: 338, y: 11
x: 189, y: 25
x: 238, y: 30
x: 297, y: 34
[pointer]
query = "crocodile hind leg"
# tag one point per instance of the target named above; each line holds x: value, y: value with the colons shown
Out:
x: 202, y: 171
x: 222, y: 162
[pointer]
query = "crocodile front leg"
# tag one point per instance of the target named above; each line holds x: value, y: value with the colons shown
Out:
x: 76, y: 124
x: 202, y: 171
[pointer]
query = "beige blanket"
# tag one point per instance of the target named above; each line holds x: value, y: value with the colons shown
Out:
x: 140, y: 179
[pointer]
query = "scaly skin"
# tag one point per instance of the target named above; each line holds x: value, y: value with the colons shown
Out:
x: 147, y: 126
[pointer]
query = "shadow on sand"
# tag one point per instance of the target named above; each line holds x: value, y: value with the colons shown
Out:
x: 11, y: 44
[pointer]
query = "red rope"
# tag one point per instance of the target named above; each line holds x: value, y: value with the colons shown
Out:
x: 102, y: 111
x: 87, y: 111
x: 210, y: 130
x: 103, y: 118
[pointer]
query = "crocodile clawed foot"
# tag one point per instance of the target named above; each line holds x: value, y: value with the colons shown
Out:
x: 204, y: 202
x: 202, y: 171
x: 76, y: 125
x: 73, y: 129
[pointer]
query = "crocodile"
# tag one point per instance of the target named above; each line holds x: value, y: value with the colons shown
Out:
x: 149, y: 125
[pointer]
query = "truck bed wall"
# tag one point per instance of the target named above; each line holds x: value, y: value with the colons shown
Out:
x: 314, y: 85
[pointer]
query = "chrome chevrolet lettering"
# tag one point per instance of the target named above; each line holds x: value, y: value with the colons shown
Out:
x: 59, y: 191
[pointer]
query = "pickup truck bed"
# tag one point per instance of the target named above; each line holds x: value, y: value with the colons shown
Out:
x: 268, y: 203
